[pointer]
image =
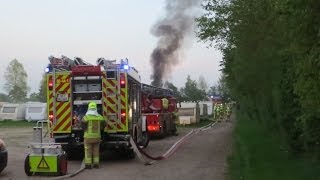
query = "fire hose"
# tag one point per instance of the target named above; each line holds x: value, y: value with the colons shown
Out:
x: 82, y: 167
x: 141, y: 153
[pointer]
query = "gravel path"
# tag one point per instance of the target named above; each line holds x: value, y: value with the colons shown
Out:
x: 202, y: 157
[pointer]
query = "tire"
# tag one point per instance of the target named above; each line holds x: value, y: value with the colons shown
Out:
x: 144, y: 141
x: 27, y: 168
x: 131, y: 154
x: 62, y: 164
x: 163, y: 131
x: 74, y: 153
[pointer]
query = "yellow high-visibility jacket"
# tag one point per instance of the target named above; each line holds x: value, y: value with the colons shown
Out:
x: 165, y: 103
x: 93, y: 126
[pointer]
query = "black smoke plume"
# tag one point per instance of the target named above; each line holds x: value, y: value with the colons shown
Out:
x: 171, y: 32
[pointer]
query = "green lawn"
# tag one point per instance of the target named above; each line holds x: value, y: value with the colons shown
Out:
x: 9, y: 123
x: 258, y: 155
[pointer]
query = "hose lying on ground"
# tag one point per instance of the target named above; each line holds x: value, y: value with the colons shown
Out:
x: 82, y: 167
x: 140, y: 152
x: 172, y: 149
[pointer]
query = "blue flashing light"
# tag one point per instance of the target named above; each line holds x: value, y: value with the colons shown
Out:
x: 126, y: 67
x: 48, y: 68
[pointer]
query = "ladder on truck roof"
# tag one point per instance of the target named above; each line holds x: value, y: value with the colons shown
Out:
x: 156, y: 91
x: 64, y: 63
x: 58, y: 65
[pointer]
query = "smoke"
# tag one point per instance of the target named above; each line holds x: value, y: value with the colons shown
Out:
x: 171, y: 32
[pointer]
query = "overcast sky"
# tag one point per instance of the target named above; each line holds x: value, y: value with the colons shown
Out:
x: 32, y: 30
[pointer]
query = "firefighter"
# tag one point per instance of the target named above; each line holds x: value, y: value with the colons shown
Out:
x: 92, y: 124
x: 165, y: 103
x: 216, y: 112
x: 228, y: 109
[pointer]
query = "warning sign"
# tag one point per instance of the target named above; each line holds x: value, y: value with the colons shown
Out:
x: 43, y: 164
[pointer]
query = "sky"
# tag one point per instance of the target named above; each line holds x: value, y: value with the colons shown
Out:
x: 32, y: 30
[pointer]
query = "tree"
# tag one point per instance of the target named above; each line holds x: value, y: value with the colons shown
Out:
x: 222, y: 88
x: 270, y: 63
x: 175, y: 90
x: 42, y: 95
x: 191, y: 92
x: 213, y: 91
x: 16, y: 81
x: 202, y: 84
x: 34, y: 97
x: 17, y: 94
x: 4, y: 97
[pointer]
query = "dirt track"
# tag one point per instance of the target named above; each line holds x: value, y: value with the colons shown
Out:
x: 201, y: 157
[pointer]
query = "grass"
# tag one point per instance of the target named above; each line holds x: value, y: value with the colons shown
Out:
x: 13, y: 124
x: 259, y: 155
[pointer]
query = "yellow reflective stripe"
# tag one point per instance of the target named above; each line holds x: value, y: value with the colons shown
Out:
x: 94, y: 127
x: 124, y: 103
x: 111, y: 101
x: 104, y: 99
x: 95, y: 160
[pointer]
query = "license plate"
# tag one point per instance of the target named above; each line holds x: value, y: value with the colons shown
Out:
x: 62, y: 97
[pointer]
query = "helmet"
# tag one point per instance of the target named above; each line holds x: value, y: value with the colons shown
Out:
x: 92, y: 106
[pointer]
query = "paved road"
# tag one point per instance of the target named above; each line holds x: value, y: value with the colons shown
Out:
x: 201, y: 157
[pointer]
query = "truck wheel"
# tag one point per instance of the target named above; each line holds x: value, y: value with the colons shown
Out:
x: 131, y: 154
x: 144, y: 140
x: 163, y: 131
x: 74, y: 153
x: 27, y: 168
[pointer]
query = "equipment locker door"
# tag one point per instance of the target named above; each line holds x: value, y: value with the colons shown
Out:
x: 59, y: 102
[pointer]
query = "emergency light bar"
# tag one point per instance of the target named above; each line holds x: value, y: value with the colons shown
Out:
x: 124, y: 64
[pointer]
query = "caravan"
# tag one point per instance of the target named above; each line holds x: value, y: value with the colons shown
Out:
x: 208, y: 107
x: 14, y: 112
x: 36, y: 111
x: 189, y: 113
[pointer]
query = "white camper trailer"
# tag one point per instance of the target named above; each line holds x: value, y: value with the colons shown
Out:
x: 209, y: 107
x: 36, y: 111
x: 12, y: 111
x: 203, y: 109
x: 189, y: 113
x: 1, y: 104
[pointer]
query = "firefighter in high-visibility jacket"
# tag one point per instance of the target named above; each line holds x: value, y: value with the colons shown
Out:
x: 92, y: 123
x: 165, y: 104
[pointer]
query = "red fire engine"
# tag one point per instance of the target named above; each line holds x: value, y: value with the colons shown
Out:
x: 159, y: 107
x: 116, y: 88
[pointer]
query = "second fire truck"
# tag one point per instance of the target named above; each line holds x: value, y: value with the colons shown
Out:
x: 159, y: 107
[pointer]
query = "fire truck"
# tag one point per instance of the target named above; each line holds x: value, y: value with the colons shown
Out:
x: 160, y: 120
x: 115, y: 88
